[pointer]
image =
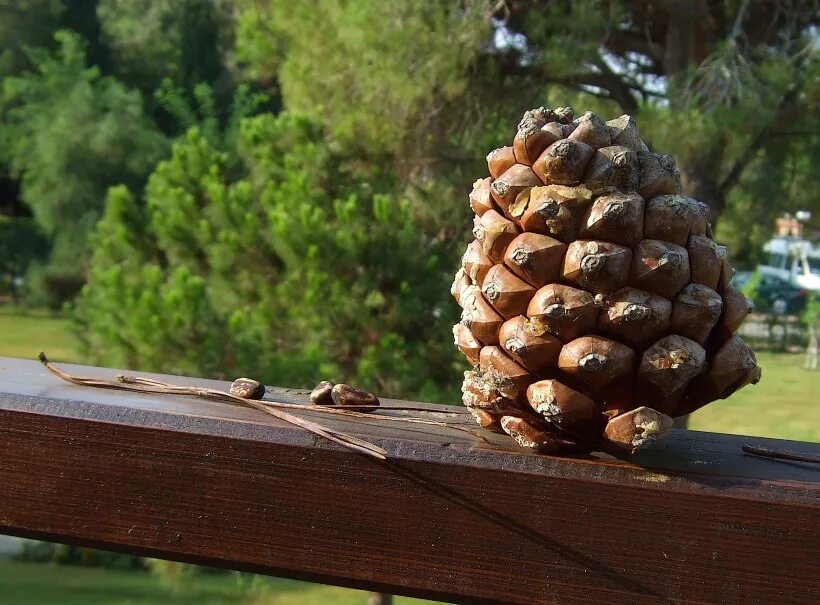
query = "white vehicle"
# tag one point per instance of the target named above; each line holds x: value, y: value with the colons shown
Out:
x: 795, y: 260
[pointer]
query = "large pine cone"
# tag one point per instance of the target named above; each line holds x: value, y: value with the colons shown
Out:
x: 595, y: 304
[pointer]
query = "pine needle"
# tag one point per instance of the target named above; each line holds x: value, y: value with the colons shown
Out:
x: 778, y: 454
x: 147, y: 385
x: 140, y: 384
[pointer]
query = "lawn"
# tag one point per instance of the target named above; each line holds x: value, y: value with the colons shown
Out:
x: 46, y: 584
x: 783, y: 404
x: 26, y: 333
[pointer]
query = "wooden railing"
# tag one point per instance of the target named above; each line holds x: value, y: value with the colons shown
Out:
x: 447, y: 516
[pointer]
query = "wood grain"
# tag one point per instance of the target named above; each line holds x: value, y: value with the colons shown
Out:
x: 448, y: 516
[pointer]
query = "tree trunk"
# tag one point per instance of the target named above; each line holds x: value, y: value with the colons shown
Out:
x: 692, y: 31
x: 700, y: 178
x: 13, y: 286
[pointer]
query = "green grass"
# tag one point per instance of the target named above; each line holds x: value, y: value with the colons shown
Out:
x: 42, y: 584
x: 783, y: 404
x: 48, y: 584
x: 26, y: 333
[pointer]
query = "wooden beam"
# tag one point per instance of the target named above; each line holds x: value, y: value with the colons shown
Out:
x: 448, y: 516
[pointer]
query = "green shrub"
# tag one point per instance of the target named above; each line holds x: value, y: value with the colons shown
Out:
x: 290, y: 267
x: 67, y: 133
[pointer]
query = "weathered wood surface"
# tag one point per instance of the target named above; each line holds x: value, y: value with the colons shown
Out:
x: 447, y: 517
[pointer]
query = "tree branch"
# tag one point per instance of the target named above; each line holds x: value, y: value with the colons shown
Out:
x: 615, y: 87
x: 622, y: 41
x: 618, y: 90
x: 736, y: 171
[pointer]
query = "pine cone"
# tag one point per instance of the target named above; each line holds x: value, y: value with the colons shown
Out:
x: 595, y: 304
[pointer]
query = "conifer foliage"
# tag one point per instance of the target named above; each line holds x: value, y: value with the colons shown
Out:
x: 290, y: 271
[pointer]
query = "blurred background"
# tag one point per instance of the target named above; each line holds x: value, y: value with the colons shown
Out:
x: 279, y: 189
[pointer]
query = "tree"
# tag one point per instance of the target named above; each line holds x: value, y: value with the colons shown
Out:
x: 181, y: 40
x: 292, y: 272
x: 21, y: 244
x: 708, y: 70
x: 377, y: 71
x: 713, y: 82
x: 25, y: 24
x: 67, y: 134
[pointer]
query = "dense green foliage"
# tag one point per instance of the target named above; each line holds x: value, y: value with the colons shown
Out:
x: 377, y: 72
x: 310, y: 231
x: 21, y: 245
x: 68, y: 134
x: 25, y: 24
x: 291, y: 270
x: 726, y: 86
x: 150, y: 40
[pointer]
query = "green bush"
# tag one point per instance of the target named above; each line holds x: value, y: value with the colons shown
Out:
x: 67, y: 133
x: 290, y: 267
x: 50, y: 286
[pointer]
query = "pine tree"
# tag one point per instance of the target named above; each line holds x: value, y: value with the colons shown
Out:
x: 68, y: 134
x: 294, y: 271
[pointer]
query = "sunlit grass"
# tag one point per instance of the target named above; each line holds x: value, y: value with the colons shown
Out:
x: 48, y: 584
x: 785, y: 403
x: 25, y: 333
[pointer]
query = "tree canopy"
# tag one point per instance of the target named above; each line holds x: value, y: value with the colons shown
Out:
x: 291, y: 270
x: 279, y: 187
